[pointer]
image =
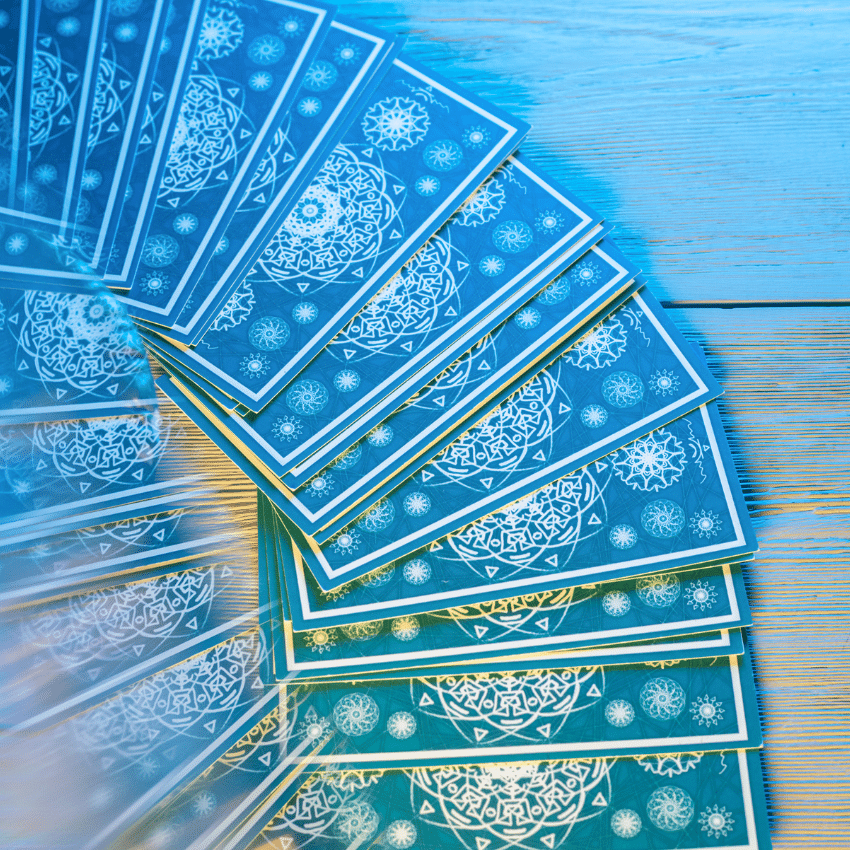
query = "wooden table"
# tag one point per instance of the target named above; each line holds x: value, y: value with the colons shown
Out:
x: 714, y: 138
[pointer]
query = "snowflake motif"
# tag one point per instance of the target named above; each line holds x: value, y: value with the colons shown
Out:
x: 154, y: 283
x: 260, y: 80
x: 622, y: 536
x: 663, y: 382
x: 346, y: 54
x: 662, y: 698
x: 309, y: 107
x: 223, y: 245
x: 268, y: 333
x: 126, y: 32
x: 254, y: 365
x: 699, y: 594
x: 68, y: 26
x: 586, y: 273
x: 616, y: 603
x: 346, y: 542
x: 483, y: 206
x: 236, y: 310
x: 527, y: 318
x: 658, y: 591
x: 45, y: 174
x: 320, y: 76
x: 378, y: 517
x: 356, y: 715
x: 443, y: 155
x: 475, y: 138
x: 405, y: 628
x: 400, y: 834
x: 148, y: 767
x: 322, y: 485
x: 320, y: 640
x: 593, y: 416
x: 221, y: 33
x: 348, y: 458
x: 313, y: 727
x: 622, y: 389
x: 555, y: 292
x: 427, y: 186
x: 652, y: 463
x: 705, y: 524
x: 290, y: 26
x: 185, y: 223
x: 305, y: 313
x: 662, y: 518
x: 416, y: 572
x: 160, y: 250
x: 416, y: 504
x: 357, y: 821
x: 17, y: 243
x: 549, y: 222
x: 91, y: 179
x: 512, y: 237
x: 491, y: 265
x: 626, y: 823
x: 266, y: 50
x: 6, y: 385
x: 204, y: 803
x: 346, y: 380
x: 670, y: 808
x: 306, y: 397
x: 378, y: 578
x: 619, y: 713
x: 380, y: 437
x: 707, y: 710
x: 599, y: 347
x: 317, y: 211
x: 395, y: 124
x: 716, y: 821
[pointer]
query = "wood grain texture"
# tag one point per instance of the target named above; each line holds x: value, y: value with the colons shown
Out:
x: 712, y: 134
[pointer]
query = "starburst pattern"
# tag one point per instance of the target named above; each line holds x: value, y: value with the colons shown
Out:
x: 616, y: 603
x: 651, y: 463
x: 512, y: 237
x: 705, y: 524
x: 707, y: 710
x: 416, y: 572
x: 416, y: 504
x: 396, y: 123
x: 716, y: 821
x: 405, y: 628
x: 307, y: 397
x: 663, y: 382
x: 700, y: 595
x: 626, y: 823
x: 600, y: 347
x: 484, y: 205
x: 619, y: 713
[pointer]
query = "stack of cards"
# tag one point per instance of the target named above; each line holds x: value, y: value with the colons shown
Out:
x: 499, y: 598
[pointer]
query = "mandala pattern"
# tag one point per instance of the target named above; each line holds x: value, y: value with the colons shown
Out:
x: 538, y: 532
x: 401, y: 318
x: 700, y: 595
x: 320, y: 640
x: 266, y: 50
x: 400, y: 835
x: 599, y: 347
x: 309, y: 106
x: 220, y: 34
x: 346, y: 54
x: 320, y: 486
x: 346, y: 380
x: 363, y: 631
x: 521, y: 806
x: 357, y: 821
x: 669, y: 764
x: 345, y: 543
x: 662, y: 698
x: 427, y: 185
x: 313, y: 727
x: 652, y: 463
x: 616, y: 603
x: 586, y: 273
x: 622, y: 537
x: 706, y: 524
x: 378, y: 517
x: 517, y: 435
x: 159, y: 251
x: 395, y: 123
x: 658, y: 591
x: 475, y: 138
x: 555, y: 292
x: 622, y: 389
x: 306, y: 397
x: 527, y: 318
x: 416, y: 572
x: 380, y: 437
x: 348, y: 458
x: 491, y: 266
x: 236, y: 310
x: 339, y: 226
x: 512, y: 237
x: 356, y: 715
x: 305, y: 313
x: 508, y: 708
x: 593, y: 416
x: 670, y: 808
x: 112, y: 91
x: 716, y: 821
x: 212, y: 130
x: 549, y: 222
x: 417, y: 504
x: 401, y: 725
x: 405, y: 628
x: 254, y: 365
x: 619, y: 713
x: 663, y: 382
x: 662, y: 518
x: 269, y: 333
x: 320, y: 76
x: 483, y: 206
x: 626, y: 823
x: 707, y: 710
x: 444, y: 155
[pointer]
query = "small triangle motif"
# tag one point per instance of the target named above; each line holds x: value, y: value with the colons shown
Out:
x: 23, y: 366
x: 222, y: 175
x: 104, y: 548
x: 261, y: 198
x: 245, y: 134
x: 398, y: 188
x: 358, y: 273
x: 233, y: 91
x: 157, y: 95
x: 159, y: 535
x: 303, y: 286
x: 593, y: 691
x: 545, y: 730
x: 491, y: 571
x: 139, y: 648
x: 553, y: 560
x: 482, y: 843
x: 564, y: 408
x: 84, y: 485
x: 288, y: 157
x: 395, y: 235
x: 407, y: 346
x: 172, y: 202
x: 480, y: 734
x: 123, y: 84
x: 266, y: 758
x: 94, y: 673
x: 600, y: 466
x: 368, y: 152
x: 484, y: 366
x: 543, y: 624
x: 71, y: 76
x: 440, y: 401
x: 594, y: 520
x: 112, y: 128
x: 192, y: 624
x: 426, y: 476
x: 599, y: 800
x: 451, y: 312
x: 487, y: 482
x: 426, y: 808
x: 145, y: 140
x: 349, y: 353
x: 210, y: 727
x: 138, y: 474
x: 425, y: 701
x: 112, y: 389
x: 461, y: 265
x: 540, y: 456
x: 548, y: 840
x: 480, y: 631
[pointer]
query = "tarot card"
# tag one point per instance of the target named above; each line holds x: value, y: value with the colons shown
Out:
x: 246, y: 72
x: 667, y: 801
x: 362, y: 218
x: 162, y: 113
x: 63, y: 356
x: 114, y: 762
x: 66, y: 655
x: 350, y: 63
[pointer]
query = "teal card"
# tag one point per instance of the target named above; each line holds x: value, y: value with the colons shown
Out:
x: 692, y: 800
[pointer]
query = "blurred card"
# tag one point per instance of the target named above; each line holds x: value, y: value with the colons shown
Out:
x: 246, y: 72
x: 686, y: 801
x: 63, y: 356
x: 350, y: 63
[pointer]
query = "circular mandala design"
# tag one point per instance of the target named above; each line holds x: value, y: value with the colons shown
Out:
x: 527, y: 318
x: 555, y: 292
x: 395, y: 123
x: 400, y: 834
x: 549, y: 222
x: 658, y: 591
x: 662, y: 518
x: 512, y: 237
x: 416, y: 572
x: 236, y: 310
x: 379, y: 578
x: 662, y: 698
x: 309, y: 107
x: 349, y: 457
x: 670, y: 808
x: 405, y: 628
x: 716, y: 821
x: 358, y: 821
x: 626, y: 823
x: 491, y: 265
x: 306, y: 397
x: 651, y: 463
x: 220, y: 34
x: 320, y: 76
x: 286, y: 428
x: 356, y: 715
x: 484, y: 205
x: 268, y: 333
x: 619, y: 713
x: 427, y: 186
x: 363, y: 631
x: 254, y: 365
x: 380, y: 437
x: 346, y: 380
x: 159, y: 251
x: 475, y: 138
x: 622, y: 536
x: 401, y: 725
x: 317, y: 212
x: 416, y: 504
x: 266, y: 50
x: 616, y: 603
x: 378, y: 517
x: 154, y: 283
x: 443, y: 155
x: 260, y: 81
x: 622, y: 389
x: 305, y: 313
x: 600, y: 347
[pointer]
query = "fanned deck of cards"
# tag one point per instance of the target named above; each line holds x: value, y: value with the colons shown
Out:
x: 498, y: 600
